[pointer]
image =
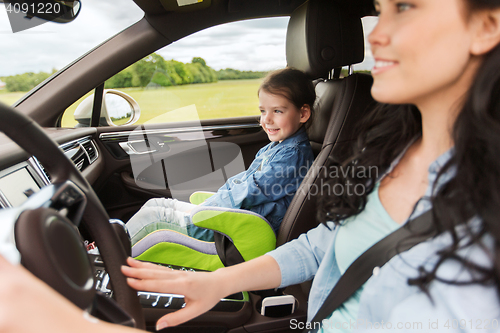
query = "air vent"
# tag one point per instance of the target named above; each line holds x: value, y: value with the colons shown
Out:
x: 45, y: 172
x: 39, y: 169
x: 91, y: 150
x: 82, y: 153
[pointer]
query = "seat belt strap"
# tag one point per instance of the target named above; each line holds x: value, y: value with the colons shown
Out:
x: 409, y: 235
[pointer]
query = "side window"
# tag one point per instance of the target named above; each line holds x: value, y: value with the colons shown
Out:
x: 212, y: 74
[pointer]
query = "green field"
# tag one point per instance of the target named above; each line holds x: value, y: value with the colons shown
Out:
x: 10, y: 98
x: 223, y: 99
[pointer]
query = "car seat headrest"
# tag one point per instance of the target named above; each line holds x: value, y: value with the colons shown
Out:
x: 321, y: 36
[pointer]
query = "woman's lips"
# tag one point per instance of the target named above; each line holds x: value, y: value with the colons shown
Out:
x: 382, y: 66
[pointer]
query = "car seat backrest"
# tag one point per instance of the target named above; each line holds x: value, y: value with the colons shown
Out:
x: 320, y: 38
x: 301, y: 214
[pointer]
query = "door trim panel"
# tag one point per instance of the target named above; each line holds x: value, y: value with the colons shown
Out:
x: 117, y: 135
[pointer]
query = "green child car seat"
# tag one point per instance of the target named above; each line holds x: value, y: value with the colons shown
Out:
x: 239, y: 235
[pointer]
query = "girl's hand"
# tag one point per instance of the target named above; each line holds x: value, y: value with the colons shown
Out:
x: 201, y: 290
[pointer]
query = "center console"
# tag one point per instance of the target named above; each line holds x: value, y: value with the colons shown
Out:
x: 150, y: 300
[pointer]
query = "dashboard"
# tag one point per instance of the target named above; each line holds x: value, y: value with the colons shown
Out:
x: 20, y: 180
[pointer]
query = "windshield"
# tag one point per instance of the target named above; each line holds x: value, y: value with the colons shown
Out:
x: 36, y: 53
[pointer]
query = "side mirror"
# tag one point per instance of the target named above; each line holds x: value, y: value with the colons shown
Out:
x: 117, y: 109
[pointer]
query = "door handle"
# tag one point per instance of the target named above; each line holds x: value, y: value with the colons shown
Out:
x: 137, y: 147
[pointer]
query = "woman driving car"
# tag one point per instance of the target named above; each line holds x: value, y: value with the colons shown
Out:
x: 434, y: 136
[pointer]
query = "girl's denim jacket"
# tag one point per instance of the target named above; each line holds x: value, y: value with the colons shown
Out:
x: 269, y: 184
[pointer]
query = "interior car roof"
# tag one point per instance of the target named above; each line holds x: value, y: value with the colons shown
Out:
x: 359, y: 7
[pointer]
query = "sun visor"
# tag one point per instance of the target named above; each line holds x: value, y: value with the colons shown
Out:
x: 320, y: 37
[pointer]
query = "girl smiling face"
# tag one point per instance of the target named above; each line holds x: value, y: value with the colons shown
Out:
x: 424, y: 51
x: 280, y: 118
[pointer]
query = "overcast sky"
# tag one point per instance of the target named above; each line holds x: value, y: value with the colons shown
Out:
x: 249, y: 45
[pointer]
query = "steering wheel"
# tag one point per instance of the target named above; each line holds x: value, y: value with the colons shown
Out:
x: 45, y: 226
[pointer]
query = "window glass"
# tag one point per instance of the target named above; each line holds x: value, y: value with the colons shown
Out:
x: 212, y: 74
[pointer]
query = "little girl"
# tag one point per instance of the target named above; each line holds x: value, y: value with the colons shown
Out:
x: 286, y: 99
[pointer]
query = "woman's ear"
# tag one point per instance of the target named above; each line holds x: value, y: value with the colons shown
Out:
x: 487, y: 31
x: 305, y: 113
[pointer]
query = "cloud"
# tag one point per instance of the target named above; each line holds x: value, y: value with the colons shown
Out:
x: 53, y: 45
x: 243, y: 45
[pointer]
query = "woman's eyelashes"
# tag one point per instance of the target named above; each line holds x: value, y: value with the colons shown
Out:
x: 403, y: 6
x: 400, y: 7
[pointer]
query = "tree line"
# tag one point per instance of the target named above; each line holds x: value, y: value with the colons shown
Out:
x: 25, y: 81
x: 151, y: 71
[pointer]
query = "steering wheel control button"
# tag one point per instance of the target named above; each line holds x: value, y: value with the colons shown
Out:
x: 70, y: 195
